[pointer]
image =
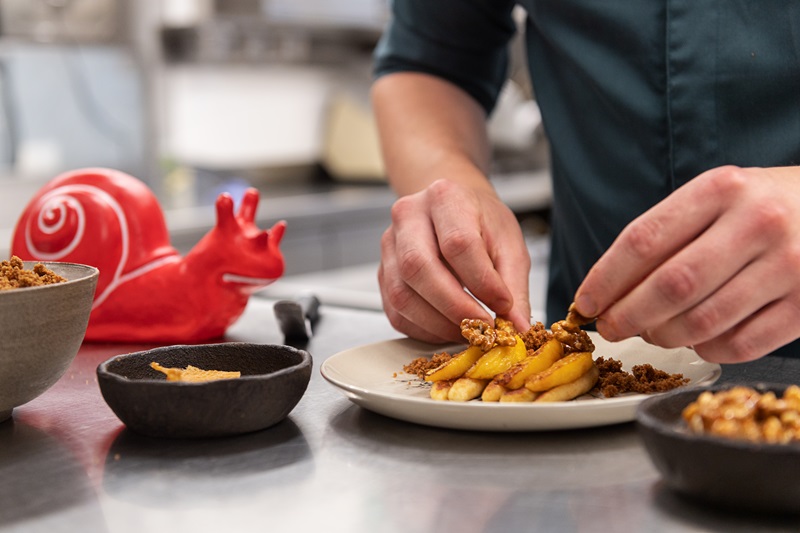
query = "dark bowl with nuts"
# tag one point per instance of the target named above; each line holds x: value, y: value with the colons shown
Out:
x: 724, y: 465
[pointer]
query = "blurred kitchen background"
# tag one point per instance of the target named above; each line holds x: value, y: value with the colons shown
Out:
x: 196, y: 97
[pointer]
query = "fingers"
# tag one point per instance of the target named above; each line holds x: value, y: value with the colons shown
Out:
x: 692, y: 275
x: 445, y: 240
x: 646, y: 243
x: 719, y: 277
x: 514, y: 267
x: 763, y: 281
x: 761, y: 333
x: 416, y: 256
x: 672, y: 257
x: 483, y: 245
x: 458, y: 229
x: 411, y: 313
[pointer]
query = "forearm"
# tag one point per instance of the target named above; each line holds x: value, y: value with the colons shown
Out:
x: 430, y: 129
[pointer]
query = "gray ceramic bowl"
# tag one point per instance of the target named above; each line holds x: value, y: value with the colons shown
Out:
x: 274, y: 378
x: 713, y: 470
x: 41, y: 330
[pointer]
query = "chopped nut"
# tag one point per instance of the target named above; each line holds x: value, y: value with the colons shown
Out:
x: 481, y: 333
x: 743, y: 413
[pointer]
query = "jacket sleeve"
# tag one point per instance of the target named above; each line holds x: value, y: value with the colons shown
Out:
x: 462, y: 41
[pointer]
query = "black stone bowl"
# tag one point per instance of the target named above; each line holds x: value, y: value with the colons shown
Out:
x: 737, y: 475
x: 273, y: 380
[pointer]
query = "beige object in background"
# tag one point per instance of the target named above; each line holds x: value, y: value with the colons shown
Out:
x: 351, y: 149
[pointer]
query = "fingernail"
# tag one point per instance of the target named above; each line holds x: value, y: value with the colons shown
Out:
x: 586, y: 305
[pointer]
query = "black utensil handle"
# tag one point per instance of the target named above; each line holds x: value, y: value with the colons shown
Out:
x: 309, y: 303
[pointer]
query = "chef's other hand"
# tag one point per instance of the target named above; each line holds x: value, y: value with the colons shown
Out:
x: 443, y: 240
x: 715, y: 266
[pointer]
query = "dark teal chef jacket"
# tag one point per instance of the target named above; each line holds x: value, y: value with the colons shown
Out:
x: 637, y: 97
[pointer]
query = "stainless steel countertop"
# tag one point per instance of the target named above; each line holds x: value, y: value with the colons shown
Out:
x: 68, y: 464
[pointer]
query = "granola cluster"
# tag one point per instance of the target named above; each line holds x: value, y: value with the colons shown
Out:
x: 14, y: 275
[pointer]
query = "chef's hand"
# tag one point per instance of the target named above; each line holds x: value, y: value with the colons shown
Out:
x: 444, y: 239
x: 716, y: 266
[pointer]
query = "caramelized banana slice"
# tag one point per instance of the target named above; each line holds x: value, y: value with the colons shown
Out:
x: 570, y: 368
x: 455, y: 367
x: 547, y: 354
x: 497, y: 360
x: 570, y: 391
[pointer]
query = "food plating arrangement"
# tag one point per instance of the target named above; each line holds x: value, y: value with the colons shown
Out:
x: 539, y: 365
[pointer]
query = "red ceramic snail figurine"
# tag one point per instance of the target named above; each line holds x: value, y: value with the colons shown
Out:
x: 147, y: 292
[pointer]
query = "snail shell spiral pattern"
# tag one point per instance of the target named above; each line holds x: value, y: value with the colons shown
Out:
x: 97, y: 217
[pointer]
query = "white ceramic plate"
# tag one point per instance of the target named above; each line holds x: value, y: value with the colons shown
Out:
x: 372, y: 376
